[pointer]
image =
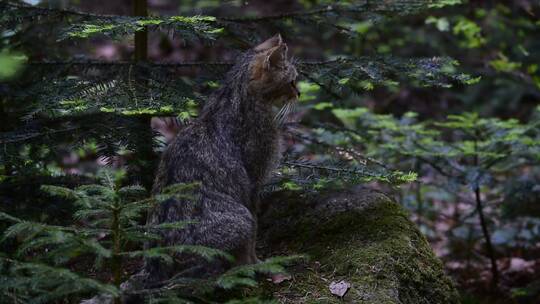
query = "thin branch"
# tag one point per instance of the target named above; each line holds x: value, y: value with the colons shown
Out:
x: 128, y: 63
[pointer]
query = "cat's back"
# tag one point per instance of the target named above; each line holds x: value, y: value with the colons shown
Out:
x: 201, y: 142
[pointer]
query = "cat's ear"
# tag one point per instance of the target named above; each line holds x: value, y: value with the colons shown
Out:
x: 270, y: 43
x: 276, y: 56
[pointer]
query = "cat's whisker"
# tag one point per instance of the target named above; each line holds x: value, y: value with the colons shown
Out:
x: 285, y: 111
x: 288, y: 107
x: 279, y: 115
x: 294, y: 107
x: 284, y: 114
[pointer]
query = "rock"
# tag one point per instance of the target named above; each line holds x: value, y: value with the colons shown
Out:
x: 361, y: 237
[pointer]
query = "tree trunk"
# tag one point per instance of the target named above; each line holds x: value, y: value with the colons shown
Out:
x: 144, y: 154
x: 489, y: 247
x: 141, y: 37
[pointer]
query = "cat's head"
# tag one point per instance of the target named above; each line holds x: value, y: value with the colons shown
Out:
x: 271, y: 73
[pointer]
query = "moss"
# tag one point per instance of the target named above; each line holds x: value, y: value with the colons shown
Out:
x: 367, y: 241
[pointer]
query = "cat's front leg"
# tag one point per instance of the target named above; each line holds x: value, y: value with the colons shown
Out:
x: 252, y: 249
x: 249, y: 254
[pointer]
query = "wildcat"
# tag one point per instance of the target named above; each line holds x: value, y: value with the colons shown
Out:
x: 230, y: 150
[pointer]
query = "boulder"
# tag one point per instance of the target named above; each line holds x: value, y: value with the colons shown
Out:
x: 360, y: 237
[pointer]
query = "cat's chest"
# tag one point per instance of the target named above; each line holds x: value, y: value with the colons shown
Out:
x: 260, y: 146
x: 262, y: 141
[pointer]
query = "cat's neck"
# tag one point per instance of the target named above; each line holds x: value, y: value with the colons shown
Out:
x: 234, y: 112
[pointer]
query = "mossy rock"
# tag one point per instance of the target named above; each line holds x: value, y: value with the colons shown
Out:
x: 359, y: 236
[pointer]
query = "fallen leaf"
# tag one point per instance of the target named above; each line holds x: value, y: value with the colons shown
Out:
x: 280, y: 277
x: 340, y: 288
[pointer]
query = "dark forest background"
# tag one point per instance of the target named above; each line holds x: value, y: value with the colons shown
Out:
x: 434, y: 102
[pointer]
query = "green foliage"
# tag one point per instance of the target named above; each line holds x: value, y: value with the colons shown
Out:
x: 504, y: 65
x: 442, y: 23
x: 471, y: 31
x: 10, y: 63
